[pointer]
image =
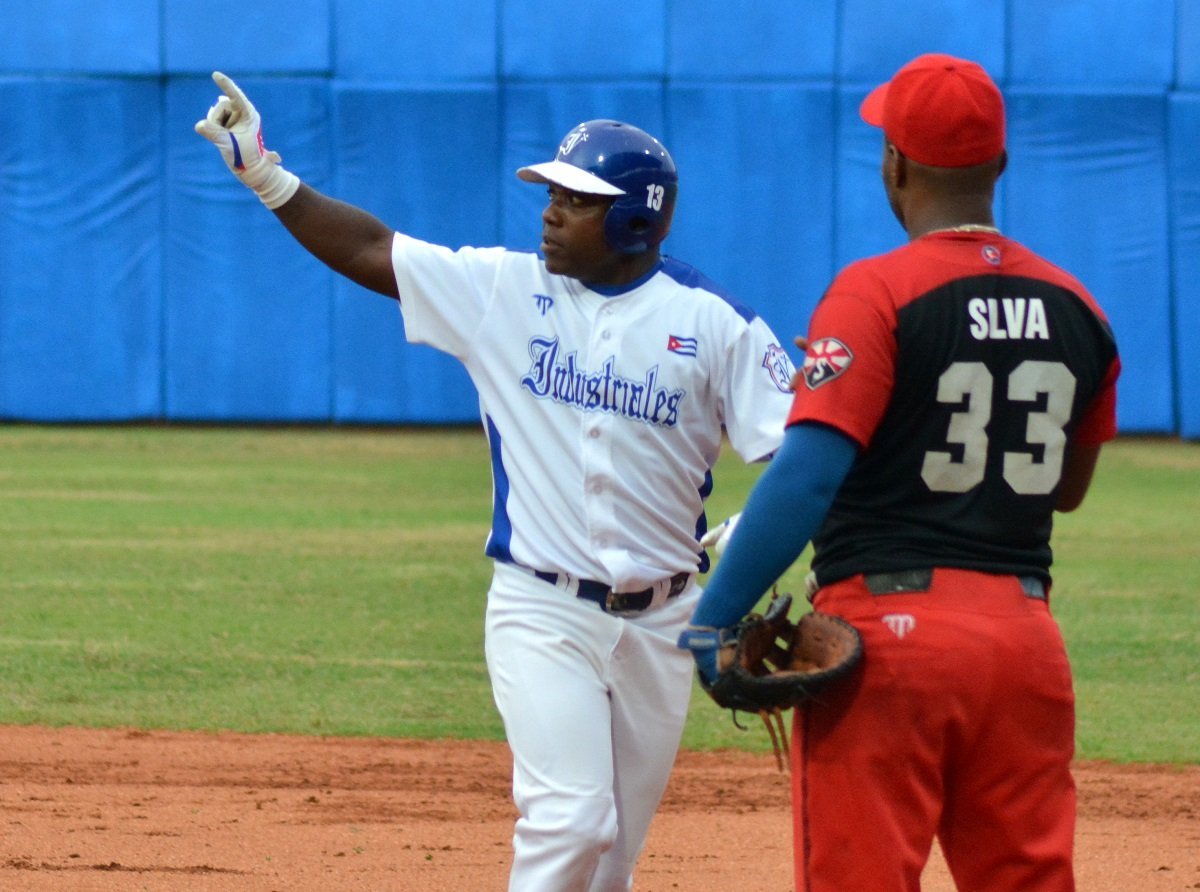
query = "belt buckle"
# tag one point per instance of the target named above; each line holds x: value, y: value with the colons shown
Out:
x: 899, y: 581
x: 616, y: 604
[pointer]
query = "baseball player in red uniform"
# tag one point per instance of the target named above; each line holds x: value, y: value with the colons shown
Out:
x: 608, y: 377
x: 955, y: 393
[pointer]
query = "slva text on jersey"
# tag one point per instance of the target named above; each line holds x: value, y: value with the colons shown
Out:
x: 1001, y: 318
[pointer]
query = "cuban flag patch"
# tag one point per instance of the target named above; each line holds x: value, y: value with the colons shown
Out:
x: 681, y: 345
x: 824, y: 361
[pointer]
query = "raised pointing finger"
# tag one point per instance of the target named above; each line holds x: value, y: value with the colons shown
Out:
x: 237, y: 99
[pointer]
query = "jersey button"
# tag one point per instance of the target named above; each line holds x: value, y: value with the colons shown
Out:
x: 594, y: 433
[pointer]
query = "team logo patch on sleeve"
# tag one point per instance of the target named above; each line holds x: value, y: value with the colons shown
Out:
x: 779, y: 366
x: 824, y: 361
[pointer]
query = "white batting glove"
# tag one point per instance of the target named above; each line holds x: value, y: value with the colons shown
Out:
x: 718, y: 537
x: 233, y: 125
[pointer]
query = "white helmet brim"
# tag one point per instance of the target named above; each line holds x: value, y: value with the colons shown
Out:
x: 569, y: 177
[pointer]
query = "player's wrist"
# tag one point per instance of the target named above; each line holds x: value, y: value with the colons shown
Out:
x: 275, y: 185
x: 705, y: 642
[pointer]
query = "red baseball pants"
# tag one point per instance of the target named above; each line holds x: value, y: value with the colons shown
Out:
x: 959, y: 723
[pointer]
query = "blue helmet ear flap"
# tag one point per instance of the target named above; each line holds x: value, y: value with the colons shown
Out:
x: 638, y: 222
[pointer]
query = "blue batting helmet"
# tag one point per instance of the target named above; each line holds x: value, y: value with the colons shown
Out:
x: 605, y: 157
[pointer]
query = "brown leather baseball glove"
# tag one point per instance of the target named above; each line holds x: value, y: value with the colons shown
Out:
x: 772, y: 664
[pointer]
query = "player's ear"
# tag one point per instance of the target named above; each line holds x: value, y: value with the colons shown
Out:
x: 895, y: 166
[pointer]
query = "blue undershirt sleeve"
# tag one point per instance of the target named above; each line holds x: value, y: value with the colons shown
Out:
x: 782, y: 514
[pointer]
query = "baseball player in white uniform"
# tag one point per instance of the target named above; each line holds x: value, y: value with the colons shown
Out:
x: 606, y: 374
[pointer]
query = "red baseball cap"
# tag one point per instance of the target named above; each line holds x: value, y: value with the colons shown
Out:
x: 939, y: 110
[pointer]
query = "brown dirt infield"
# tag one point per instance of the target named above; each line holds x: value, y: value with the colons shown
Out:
x: 86, y: 810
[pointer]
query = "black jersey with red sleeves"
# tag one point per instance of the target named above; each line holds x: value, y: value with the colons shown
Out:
x: 962, y: 364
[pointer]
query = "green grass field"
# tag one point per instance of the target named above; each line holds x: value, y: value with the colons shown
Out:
x: 332, y: 582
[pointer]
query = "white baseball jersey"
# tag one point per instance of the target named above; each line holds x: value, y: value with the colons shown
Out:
x: 604, y: 408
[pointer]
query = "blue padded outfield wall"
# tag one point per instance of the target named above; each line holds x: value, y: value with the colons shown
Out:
x: 140, y: 281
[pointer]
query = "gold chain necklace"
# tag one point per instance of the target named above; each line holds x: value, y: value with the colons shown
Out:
x: 968, y: 227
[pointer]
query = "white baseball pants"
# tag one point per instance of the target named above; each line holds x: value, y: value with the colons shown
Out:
x: 593, y: 708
